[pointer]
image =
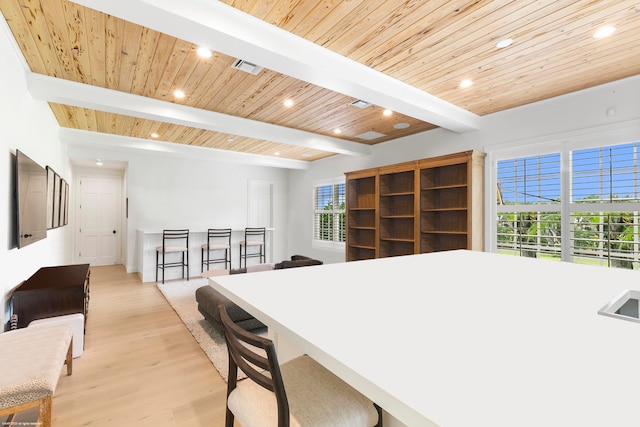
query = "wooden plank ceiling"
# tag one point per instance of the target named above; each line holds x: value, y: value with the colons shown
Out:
x: 430, y: 45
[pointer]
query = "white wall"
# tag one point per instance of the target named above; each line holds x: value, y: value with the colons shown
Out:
x: 580, y: 111
x: 28, y: 126
x: 166, y: 191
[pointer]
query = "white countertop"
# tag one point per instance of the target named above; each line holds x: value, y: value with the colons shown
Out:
x: 460, y: 338
x: 198, y: 230
x: 149, y: 239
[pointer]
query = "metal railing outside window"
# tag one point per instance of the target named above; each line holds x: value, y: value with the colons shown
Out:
x: 606, y: 238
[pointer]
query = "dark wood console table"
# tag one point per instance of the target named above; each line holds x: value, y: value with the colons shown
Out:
x: 52, y: 291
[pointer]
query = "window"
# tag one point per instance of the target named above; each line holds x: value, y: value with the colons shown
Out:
x: 588, y: 213
x: 604, y: 215
x: 529, y: 199
x: 329, y: 215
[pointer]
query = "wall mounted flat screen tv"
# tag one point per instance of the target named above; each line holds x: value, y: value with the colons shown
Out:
x: 31, y: 200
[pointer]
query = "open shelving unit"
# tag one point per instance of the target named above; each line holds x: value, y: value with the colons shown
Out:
x: 444, y: 207
x: 422, y: 206
x: 397, y: 210
x: 362, y: 216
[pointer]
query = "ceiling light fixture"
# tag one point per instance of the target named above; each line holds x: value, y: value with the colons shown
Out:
x: 504, y: 43
x: 277, y: 153
x: 387, y: 112
x: 179, y: 94
x: 401, y: 125
x: 604, y: 32
x: 203, y: 52
x: 98, y: 162
x: 155, y: 135
x: 337, y: 130
x: 288, y: 103
x: 465, y: 83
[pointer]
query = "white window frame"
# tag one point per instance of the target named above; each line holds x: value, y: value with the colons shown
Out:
x: 601, y: 136
x: 325, y: 244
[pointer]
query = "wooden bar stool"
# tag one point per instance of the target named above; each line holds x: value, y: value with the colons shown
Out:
x: 218, y: 239
x: 253, y: 237
x: 173, y: 241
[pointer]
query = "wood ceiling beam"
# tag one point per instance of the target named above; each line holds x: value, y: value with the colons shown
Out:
x: 52, y: 89
x: 225, y: 29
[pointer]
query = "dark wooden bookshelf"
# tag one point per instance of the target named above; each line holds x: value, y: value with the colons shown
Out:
x: 422, y: 206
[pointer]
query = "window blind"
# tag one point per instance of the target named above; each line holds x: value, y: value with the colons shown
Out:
x: 605, y: 174
x: 597, y: 222
x: 522, y: 184
x: 529, y: 180
x: 329, y: 212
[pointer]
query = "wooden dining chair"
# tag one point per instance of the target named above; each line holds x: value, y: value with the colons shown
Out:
x: 299, y: 393
x: 173, y: 241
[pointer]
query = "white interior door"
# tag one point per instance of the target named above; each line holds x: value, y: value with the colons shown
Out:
x: 260, y: 209
x: 99, y: 213
x: 259, y: 206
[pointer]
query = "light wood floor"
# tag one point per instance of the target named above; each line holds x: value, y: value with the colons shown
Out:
x: 140, y: 367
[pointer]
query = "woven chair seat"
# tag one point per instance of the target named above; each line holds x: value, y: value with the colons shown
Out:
x: 30, y: 367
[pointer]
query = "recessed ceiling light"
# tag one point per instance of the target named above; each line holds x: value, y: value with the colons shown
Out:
x: 179, y: 94
x: 288, y: 103
x: 306, y: 154
x: 387, y: 112
x: 504, y: 43
x: 277, y: 153
x: 229, y: 139
x: 155, y: 135
x: 203, y: 52
x: 401, y: 125
x: 337, y: 130
x: 604, y: 32
x: 465, y: 83
x: 98, y: 162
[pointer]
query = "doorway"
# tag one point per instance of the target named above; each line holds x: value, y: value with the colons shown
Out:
x: 99, y: 217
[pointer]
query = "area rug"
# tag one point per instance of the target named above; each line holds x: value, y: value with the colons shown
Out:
x: 181, y: 295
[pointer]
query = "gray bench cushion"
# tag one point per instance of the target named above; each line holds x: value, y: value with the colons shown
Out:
x: 208, y: 301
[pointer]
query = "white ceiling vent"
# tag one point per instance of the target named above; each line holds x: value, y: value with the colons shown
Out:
x: 247, y: 67
x: 371, y: 135
x: 360, y: 103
